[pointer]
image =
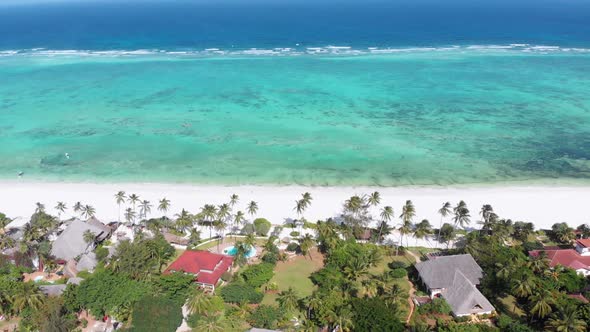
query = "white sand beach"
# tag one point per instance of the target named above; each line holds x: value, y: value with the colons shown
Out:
x: 542, y: 205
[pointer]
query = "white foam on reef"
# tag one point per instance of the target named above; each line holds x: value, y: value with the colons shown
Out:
x: 288, y: 51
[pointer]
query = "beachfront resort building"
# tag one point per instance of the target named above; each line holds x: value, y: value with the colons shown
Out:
x: 206, y: 266
x: 455, y: 278
x: 577, y: 259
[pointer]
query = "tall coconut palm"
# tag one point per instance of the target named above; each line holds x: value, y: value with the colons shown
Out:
x: 422, y: 230
x: 567, y: 319
x: 78, y: 207
x: 120, y: 198
x: 306, y: 197
x: 486, y: 212
x: 523, y: 288
x: 133, y: 199
x: 220, y: 227
x: 392, y: 295
x: 88, y: 211
x: 40, y: 208
x: 386, y: 216
x: 183, y: 221
x: 164, y: 205
x: 233, y: 200
x: 306, y: 243
x: 144, y: 208
x: 252, y: 208
x: 224, y: 212
x: 461, y: 215
x: 209, y: 213
x: 408, y: 213
x: 130, y: 216
x: 61, y: 208
x: 88, y: 237
x: 299, y: 207
x: 374, y: 199
x: 239, y: 219
x: 444, y: 211
x: 288, y: 300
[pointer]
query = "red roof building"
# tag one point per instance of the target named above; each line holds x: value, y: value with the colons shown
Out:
x: 206, y: 266
x: 566, y: 257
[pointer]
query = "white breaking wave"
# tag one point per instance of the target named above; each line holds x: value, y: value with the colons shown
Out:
x: 289, y: 51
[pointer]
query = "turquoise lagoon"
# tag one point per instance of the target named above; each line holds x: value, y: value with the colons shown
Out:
x: 416, y: 117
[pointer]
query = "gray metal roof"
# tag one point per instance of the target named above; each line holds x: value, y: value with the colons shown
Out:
x: 464, y: 298
x: 75, y: 281
x: 70, y: 243
x: 439, y: 272
x: 87, y: 262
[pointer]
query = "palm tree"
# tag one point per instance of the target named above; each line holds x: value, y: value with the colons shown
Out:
x: 88, y: 211
x: 444, y: 211
x: 198, y: 302
x: 209, y: 212
x: 374, y: 199
x: 120, y: 198
x: 39, y: 208
x: 392, y: 295
x: 307, y: 199
x: 77, y: 207
x: 487, y: 213
x: 462, y: 216
x: 288, y: 300
x: 386, y: 216
x: 447, y: 233
x: 164, y: 205
x: 299, y: 207
x: 61, y: 208
x: 133, y: 199
x: 523, y: 288
x: 233, y: 200
x: 220, y: 227
x: 306, y: 243
x: 224, y: 212
x: 211, y: 323
x: 542, y: 300
x: 27, y: 295
x: 145, y: 208
x: 239, y: 218
x: 408, y: 213
x: 88, y: 237
x: 183, y: 221
x: 252, y: 208
x: 249, y: 241
x: 566, y: 320
x: 129, y: 215
x: 422, y: 230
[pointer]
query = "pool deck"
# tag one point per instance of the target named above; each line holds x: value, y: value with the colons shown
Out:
x: 230, y: 243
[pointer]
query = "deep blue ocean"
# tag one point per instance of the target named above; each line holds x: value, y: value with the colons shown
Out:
x: 171, y: 25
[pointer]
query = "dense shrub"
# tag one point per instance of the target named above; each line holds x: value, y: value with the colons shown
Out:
x: 259, y: 274
x: 240, y: 292
x: 265, y: 316
x: 398, y: 273
x: 397, y: 265
x: 438, y: 305
x: 248, y: 229
x: 371, y: 314
x: 175, y: 286
x: 156, y: 314
x: 271, y: 255
x: 293, y: 247
x: 226, y: 276
x: 262, y: 226
x: 294, y: 234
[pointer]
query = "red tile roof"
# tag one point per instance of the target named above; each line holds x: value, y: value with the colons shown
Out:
x: 565, y: 257
x: 206, y: 265
x: 584, y: 242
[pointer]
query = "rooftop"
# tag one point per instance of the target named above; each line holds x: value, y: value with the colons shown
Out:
x: 564, y: 257
x: 70, y: 243
x: 439, y: 272
x: 207, y: 266
x: 584, y: 242
x: 464, y: 298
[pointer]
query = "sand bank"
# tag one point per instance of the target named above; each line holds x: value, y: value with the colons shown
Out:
x: 542, y: 205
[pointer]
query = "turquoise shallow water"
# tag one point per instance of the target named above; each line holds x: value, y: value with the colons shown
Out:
x: 440, y: 117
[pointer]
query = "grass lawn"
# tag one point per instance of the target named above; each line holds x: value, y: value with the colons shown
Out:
x: 295, y: 273
x: 382, y: 266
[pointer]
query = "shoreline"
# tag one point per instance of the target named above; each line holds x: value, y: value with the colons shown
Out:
x: 540, y: 204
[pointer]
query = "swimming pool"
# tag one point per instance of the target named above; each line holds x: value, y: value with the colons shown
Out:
x: 232, y: 251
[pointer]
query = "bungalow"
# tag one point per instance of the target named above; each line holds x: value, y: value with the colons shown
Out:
x: 577, y: 259
x: 206, y: 266
x: 70, y: 245
x: 454, y: 278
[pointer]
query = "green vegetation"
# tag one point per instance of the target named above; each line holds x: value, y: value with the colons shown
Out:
x: 156, y: 314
